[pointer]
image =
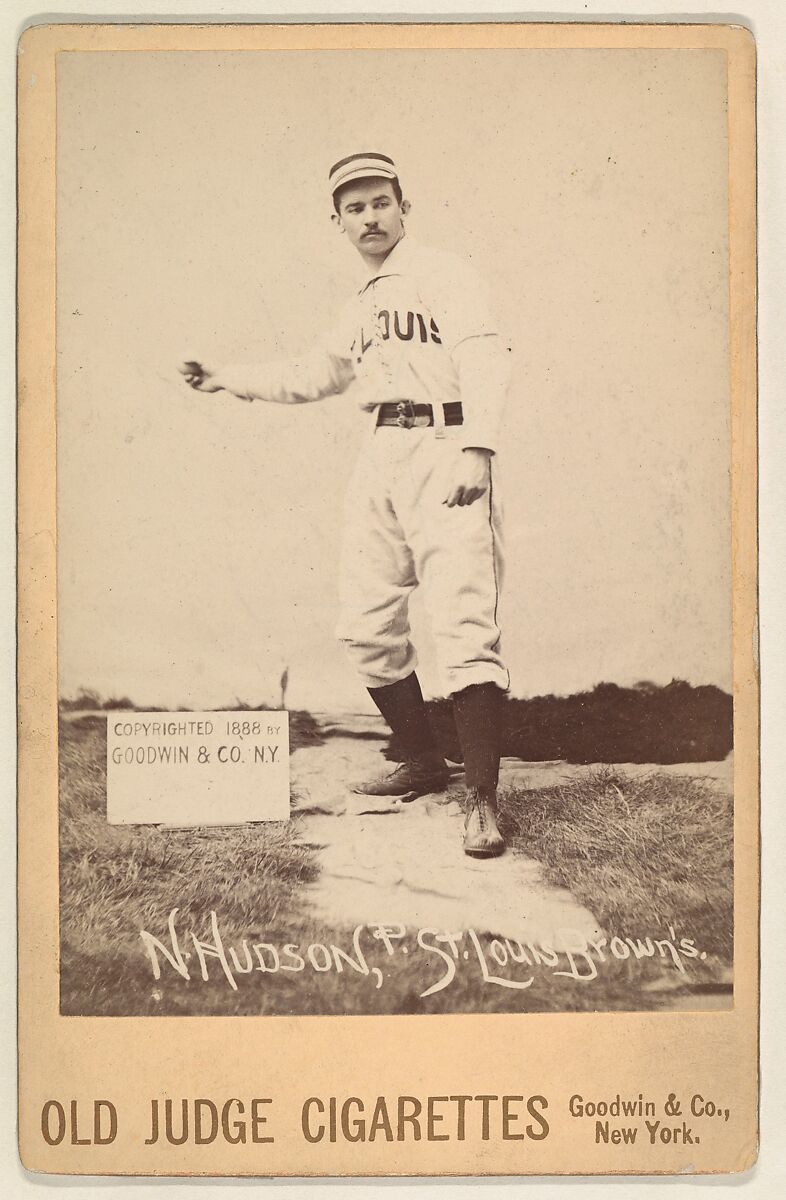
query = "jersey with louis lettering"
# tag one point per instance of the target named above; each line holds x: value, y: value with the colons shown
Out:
x: 419, y: 329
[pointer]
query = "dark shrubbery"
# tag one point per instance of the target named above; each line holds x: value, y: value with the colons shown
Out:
x: 610, y: 724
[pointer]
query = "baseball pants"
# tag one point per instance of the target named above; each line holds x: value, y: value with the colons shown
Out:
x: 398, y: 533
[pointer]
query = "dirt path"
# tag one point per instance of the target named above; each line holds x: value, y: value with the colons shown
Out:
x: 384, y: 861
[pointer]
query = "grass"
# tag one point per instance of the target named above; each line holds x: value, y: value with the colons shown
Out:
x: 641, y: 853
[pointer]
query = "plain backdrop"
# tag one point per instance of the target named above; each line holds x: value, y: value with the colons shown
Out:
x: 198, y: 536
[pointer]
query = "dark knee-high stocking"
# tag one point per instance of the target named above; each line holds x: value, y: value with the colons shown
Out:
x: 478, y: 713
x: 404, y: 709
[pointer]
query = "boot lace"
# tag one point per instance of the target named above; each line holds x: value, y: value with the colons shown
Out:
x: 412, y: 765
x: 477, y: 800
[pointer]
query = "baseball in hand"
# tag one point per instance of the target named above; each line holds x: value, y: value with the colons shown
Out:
x: 198, y: 376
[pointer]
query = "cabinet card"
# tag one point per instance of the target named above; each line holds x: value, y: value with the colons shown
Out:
x: 388, y: 796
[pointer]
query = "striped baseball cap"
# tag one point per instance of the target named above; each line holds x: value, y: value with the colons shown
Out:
x: 369, y: 165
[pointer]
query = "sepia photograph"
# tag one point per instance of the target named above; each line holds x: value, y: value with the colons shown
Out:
x: 394, y: 448
x: 388, y: 679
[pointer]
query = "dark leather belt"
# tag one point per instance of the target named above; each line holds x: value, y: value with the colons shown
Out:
x: 407, y: 415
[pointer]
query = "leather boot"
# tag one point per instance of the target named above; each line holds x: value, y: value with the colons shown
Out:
x: 413, y: 777
x: 479, y: 714
x: 482, y: 838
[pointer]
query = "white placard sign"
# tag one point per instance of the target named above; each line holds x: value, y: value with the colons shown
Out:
x: 197, y: 768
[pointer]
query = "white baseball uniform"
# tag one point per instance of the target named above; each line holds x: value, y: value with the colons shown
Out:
x: 419, y: 329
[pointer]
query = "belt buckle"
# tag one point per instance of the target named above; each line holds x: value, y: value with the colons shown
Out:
x: 406, y: 414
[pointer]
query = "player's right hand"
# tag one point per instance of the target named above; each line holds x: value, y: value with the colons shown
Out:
x: 199, y: 377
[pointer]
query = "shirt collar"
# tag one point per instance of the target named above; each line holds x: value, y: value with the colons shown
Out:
x: 398, y: 261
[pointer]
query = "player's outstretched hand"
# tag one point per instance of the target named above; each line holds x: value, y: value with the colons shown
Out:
x: 470, y: 478
x: 199, y: 377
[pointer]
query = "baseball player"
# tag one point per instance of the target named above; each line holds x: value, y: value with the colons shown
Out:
x: 430, y: 372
